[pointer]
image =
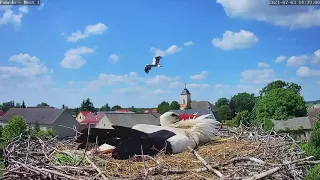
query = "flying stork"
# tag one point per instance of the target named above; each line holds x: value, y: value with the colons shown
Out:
x: 155, y: 63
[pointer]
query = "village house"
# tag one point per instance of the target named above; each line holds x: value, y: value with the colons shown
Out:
x: 82, y: 115
x: 153, y: 110
x: 105, y: 120
x: 46, y: 118
x: 299, y: 126
x: 1, y: 113
x: 201, y: 107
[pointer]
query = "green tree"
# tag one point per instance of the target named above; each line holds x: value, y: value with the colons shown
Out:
x: 16, y: 125
x: 282, y: 85
x: 188, y: 105
x: 242, y: 101
x: 174, y: 105
x: 7, y: 105
x: 133, y: 109
x: 42, y: 104
x: 224, y: 113
x: 315, y: 135
x: 87, y: 105
x: 115, y: 107
x: 280, y: 104
x: 105, y: 107
x: 221, y: 102
x: 314, y: 173
x: 36, y: 127
x: 243, y: 117
x: 163, y: 107
x: 23, y: 105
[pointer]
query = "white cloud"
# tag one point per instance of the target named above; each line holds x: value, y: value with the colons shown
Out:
x: 305, y: 71
x: 31, y: 67
x: 73, y: 58
x: 14, y: 18
x: 316, y: 57
x: 235, y: 40
x: 198, y: 86
x: 280, y: 59
x: 258, y: 76
x: 94, y: 29
x: 161, y: 80
x: 27, y: 73
x: 297, y: 60
x: 263, y: 65
x: 113, y: 79
x: 221, y: 87
x: 189, y: 43
x: 293, y: 17
x: 169, y: 51
x: 202, y: 75
x: 114, y: 58
x: 318, y: 82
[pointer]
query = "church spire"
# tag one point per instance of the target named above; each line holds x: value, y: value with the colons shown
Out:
x: 185, y: 85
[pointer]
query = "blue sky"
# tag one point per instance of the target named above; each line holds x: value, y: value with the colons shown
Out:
x: 61, y: 52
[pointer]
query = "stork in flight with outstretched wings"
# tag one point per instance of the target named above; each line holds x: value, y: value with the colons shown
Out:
x: 155, y: 63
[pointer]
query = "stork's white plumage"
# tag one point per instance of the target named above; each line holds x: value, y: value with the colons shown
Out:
x: 188, y: 133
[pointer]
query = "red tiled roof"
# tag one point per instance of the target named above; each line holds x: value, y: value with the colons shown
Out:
x: 91, y: 118
x: 122, y: 110
x: 85, y: 113
x: 1, y: 112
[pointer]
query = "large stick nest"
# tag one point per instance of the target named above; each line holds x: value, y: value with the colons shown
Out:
x: 245, y: 154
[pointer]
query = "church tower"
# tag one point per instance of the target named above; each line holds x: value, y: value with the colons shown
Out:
x: 185, y: 97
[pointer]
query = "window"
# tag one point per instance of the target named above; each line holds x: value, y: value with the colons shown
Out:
x: 184, y: 101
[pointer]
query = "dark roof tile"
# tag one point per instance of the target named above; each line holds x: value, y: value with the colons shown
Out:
x: 43, y: 116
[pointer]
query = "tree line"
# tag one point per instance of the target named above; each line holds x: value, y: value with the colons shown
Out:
x: 278, y: 100
x: 86, y: 105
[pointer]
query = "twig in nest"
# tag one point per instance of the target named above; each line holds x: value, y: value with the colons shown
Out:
x: 205, y: 163
x: 97, y: 168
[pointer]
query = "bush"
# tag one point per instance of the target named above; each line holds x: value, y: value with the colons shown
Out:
x: 313, y: 173
x: 16, y: 125
x: 231, y: 123
x: 242, y: 116
x: 311, y: 150
x: 268, y: 125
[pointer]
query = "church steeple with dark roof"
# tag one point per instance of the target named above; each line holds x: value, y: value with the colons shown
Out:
x: 185, y: 91
x: 185, y: 97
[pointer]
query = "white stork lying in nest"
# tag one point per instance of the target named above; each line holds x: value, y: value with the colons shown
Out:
x: 173, y: 136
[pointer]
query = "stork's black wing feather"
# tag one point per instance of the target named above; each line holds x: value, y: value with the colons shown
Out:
x: 147, y: 69
x: 158, y: 59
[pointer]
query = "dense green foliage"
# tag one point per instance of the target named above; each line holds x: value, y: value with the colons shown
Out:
x: 87, y: 105
x: 224, y: 113
x: 315, y: 136
x: 174, y: 105
x: 280, y: 104
x: 163, y: 107
x: 242, y: 101
x: 105, y: 107
x: 243, y: 117
x: 188, y: 106
x: 42, y: 104
x: 314, y: 173
x: 16, y: 125
x: 115, y: 107
x: 221, y: 102
x: 267, y: 125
